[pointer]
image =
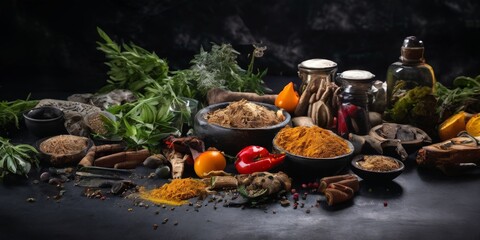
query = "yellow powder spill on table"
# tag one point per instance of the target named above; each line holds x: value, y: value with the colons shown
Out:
x: 175, y: 192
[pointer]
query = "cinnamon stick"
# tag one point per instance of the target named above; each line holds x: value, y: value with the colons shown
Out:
x: 335, y: 196
x: 324, y: 182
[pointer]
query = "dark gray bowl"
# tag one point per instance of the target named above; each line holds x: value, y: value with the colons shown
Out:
x: 232, y: 140
x: 45, y: 121
x: 319, y: 167
x: 375, y: 176
x: 65, y: 159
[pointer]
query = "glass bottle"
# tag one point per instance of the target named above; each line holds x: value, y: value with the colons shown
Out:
x: 413, y: 74
x: 352, y: 115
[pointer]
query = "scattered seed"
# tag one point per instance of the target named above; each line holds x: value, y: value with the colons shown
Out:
x: 274, y: 212
x: 31, y: 200
x: 165, y: 220
x: 36, y: 181
x: 103, y: 198
x: 308, y: 211
x: 157, y: 212
x: 304, y: 196
x: 175, y: 223
x: 171, y: 209
x: 155, y: 226
x: 293, y: 190
x: 163, y: 206
x: 130, y: 209
x: 284, y: 203
x: 190, y: 204
x: 302, y: 205
x: 45, y: 176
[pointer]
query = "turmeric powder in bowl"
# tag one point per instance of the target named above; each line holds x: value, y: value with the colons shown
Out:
x: 312, y: 142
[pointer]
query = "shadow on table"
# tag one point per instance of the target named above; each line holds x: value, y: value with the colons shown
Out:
x: 385, y: 190
x: 466, y: 174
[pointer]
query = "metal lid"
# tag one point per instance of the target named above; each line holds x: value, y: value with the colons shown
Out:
x: 357, y: 75
x: 317, y: 63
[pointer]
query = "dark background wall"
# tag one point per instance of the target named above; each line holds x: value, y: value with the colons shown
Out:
x: 50, y: 46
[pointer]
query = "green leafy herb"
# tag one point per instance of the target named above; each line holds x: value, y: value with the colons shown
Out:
x: 141, y: 124
x: 218, y: 68
x: 131, y: 67
x: 10, y: 112
x: 16, y: 159
x: 464, y: 96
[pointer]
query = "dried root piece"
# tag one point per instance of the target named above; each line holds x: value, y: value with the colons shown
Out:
x: 177, y: 160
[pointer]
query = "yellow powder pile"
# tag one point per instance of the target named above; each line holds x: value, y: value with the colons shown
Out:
x: 175, y: 192
x: 314, y: 142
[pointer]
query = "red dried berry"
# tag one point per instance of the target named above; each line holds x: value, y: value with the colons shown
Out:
x: 385, y: 204
x: 295, y: 196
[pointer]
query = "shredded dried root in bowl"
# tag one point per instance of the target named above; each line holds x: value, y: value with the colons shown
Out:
x: 64, y: 145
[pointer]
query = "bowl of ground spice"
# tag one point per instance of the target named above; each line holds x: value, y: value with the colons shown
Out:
x: 63, y: 150
x: 313, y: 151
x: 377, y: 167
x: 231, y: 126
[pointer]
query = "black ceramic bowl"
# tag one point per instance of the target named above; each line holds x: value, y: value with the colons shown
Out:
x: 376, y: 176
x: 45, y: 121
x: 320, y: 167
x: 232, y: 140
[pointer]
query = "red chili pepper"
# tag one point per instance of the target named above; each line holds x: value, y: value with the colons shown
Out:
x: 256, y: 159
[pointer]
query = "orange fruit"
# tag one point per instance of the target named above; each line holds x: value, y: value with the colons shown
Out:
x: 452, y: 126
x: 209, y: 161
x: 473, y: 125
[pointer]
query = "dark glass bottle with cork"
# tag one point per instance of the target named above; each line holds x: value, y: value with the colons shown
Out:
x: 410, y: 87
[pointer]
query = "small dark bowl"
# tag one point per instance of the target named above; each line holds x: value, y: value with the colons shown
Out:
x: 318, y: 167
x: 232, y: 140
x: 45, y: 121
x: 375, y: 176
